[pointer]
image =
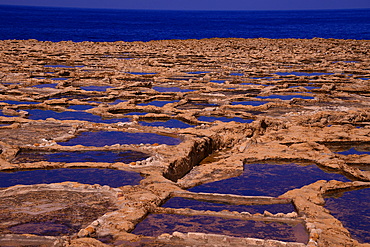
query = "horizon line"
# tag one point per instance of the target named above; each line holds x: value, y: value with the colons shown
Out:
x: 112, y: 8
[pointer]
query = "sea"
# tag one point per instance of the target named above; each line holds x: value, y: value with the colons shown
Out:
x: 63, y: 24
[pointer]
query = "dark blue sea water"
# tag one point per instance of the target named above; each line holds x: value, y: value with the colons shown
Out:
x: 57, y: 24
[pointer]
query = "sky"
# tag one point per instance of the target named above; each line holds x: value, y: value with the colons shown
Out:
x: 198, y: 4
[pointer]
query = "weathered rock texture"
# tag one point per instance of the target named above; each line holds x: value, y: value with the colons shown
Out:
x: 303, y: 96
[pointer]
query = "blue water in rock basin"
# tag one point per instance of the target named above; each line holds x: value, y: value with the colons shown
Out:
x: 172, y: 123
x: 171, y: 89
x: 36, y: 114
x: 224, y: 119
x: 285, y: 97
x: 60, y: 66
x: 157, y: 224
x: 353, y: 151
x: 95, y: 88
x: 178, y: 202
x: 141, y: 73
x: 198, y: 72
x: 110, y: 177
x: 269, y: 180
x: 51, y: 85
x: 303, y: 73
x: 102, y: 138
x: 158, y: 103
x: 80, y: 107
x: 237, y: 74
x: 265, y: 77
x: 4, y: 115
x: 136, y: 113
x: 117, y: 101
x: 80, y: 156
x: 352, y: 208
x: 310, y: 87
x: 15, y: 102
x: 252, y: 103
x: 218, y: 81
x: 59, y: 79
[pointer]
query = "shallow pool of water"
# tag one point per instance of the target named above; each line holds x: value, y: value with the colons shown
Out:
x: 117, y: 101
x: 252, y: 103
x: 171, y: 89
x: 269, y: 180
x: 303, y: 73
x: 95, y: 88
x: 110, y: 177
x: 224, y: 119
x: 196, y: 105
x: 158, y: 103
x: 285, y: 97
x: 141, y: 73
x: 218, y: 81
x: 157, y: 224
x: 348, y: 149
x: 172, y: 123
x: 15, y: 102
x: 41, y: 229
x: 80, y: 107
x: 136, y: 113
x: 237, y: 74
x: 51, y: 85
x: 80, y: 156
x: 178, y: 202
x: 60, y: 66
x: 354, y: 150
x: 352, y: 208
x: 59, y: 79
x: 102, y: 138
x: 198, y: 72
x: 37, y: 114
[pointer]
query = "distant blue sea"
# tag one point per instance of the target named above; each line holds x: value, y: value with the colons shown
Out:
x: 57, y: 24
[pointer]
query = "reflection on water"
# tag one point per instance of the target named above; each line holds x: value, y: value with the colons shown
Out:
x: 51, y: 85
x: 348, y: 149
x: 172, y: 123
x: 140, y: 73
x: 80, y: 107
x: 252, y: 103
x: 110, y: 177
x: 157, y: 224
x: 158, y: 103
x: 268, y: 180
x: 95, y: 88
x: 303, y: 73
x: 285, y: 97
x: 80, y: 156
x: 178, y: 202
x: 171, y: 89
x: 102, y: 138
x: 224, y: 119
x: 352, y: 208
x: 37, y: 114
x: 16, y: 102
x: 41, y: 229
